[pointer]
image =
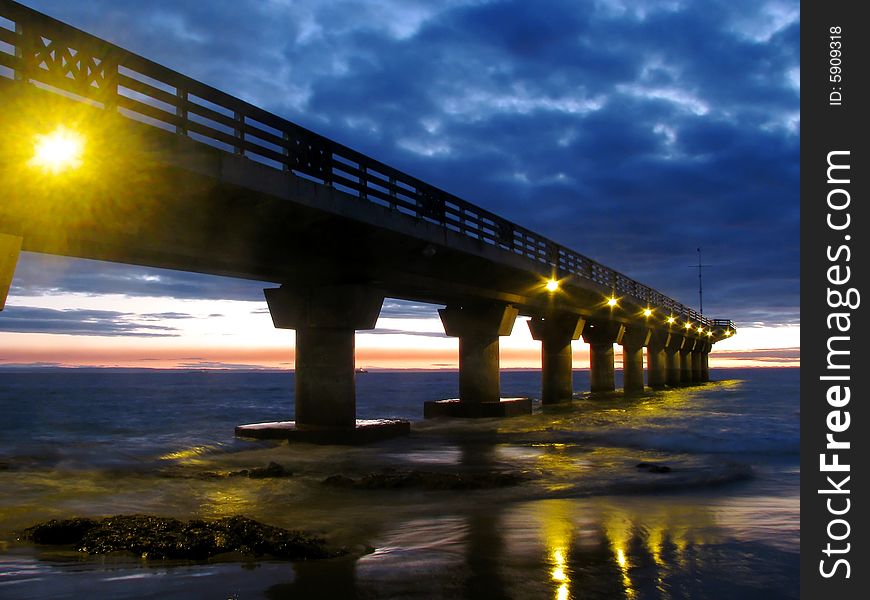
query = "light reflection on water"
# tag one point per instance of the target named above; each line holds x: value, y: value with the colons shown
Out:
x: 586, y: 523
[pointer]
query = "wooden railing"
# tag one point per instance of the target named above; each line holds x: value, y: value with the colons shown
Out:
x: 38, y: 50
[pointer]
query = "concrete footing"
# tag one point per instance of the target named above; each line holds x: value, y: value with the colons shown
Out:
x: 365, y: 431
x: 506, y: 407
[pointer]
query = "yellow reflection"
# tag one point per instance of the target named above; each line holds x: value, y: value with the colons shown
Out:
x: 558, y: 527
x: 187, y: 454
x: 58, y: 151
x: 618, y: 529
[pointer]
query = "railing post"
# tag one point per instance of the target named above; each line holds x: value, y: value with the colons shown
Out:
x: 286, y: 152
x: 239, y: 133
x: 19, y: 53
x: 181, y: 110
x: 393, y: 204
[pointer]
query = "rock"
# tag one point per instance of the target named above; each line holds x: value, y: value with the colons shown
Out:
x: 166, y: 538
x: 653, y: 467
x: 65, y: 532
x: 272, y: 470
x: 339, y: 481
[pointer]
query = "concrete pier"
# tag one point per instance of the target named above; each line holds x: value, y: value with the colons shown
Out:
x: 697, y: 375
x: 601, y: 335
x: 674, y: 359
x: 656, y: 359
x: 633, y: 341
x: 686, y: 360
x: 325, y: 318
x: 705, y: 362
x: 555, y: 332
x: 478, y: 327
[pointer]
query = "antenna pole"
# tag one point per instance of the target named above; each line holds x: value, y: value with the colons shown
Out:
x: 700, y: 284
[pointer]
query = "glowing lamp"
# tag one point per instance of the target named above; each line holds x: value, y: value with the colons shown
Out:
x: 58, y: 151
x: 688, y: 324
x: 552, y: 285
x: 611, y: 302
x: 671, y: 320
x: 647, y: 312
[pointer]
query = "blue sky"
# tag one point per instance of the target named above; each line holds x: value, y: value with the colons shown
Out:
x: 633, y: 132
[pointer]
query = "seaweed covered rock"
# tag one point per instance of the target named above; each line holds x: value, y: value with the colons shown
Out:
x: 160, y: 537
x: 60, y: 532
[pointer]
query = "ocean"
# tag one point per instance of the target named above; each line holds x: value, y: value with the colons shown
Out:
x: 583, y: 522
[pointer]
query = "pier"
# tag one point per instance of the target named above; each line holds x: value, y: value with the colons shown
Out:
x: 165, y: 171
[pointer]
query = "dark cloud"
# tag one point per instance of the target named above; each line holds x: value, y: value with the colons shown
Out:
x: 29, y: 319
x: 633, y: 132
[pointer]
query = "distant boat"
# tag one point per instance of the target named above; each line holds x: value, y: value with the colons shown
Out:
x: 360, y: 370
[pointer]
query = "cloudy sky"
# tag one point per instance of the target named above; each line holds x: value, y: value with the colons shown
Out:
x: 632, y: 131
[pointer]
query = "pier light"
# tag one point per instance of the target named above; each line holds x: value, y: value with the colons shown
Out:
x: 671, y: 320
x: 58, y: 151
x: 552, y: 285
x: 688, y: 324
x: 611, y: 302
x: 647, y: 312
x: 710, y: 333
x: 700, y: 329
x: 728, y: 333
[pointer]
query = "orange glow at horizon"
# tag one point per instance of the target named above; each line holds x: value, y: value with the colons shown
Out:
x: 96, y: 351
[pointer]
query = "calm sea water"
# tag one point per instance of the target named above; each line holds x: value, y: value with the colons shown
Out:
x: 724, y: 523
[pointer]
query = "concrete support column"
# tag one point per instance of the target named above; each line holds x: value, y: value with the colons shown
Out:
x: 686, y: 360
x: 633, y: 341
x: 697, y: 376
x: 705, y: 362
x: 674, y: 359
x: 10, y: 249
x: 325, y: 319
x: 555, y: 332
x: 656, y: 359
x: 673, y: 366
x: 601, y: 335
x: 478, y: 328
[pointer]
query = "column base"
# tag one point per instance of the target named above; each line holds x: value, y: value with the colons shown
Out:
x: 506, y: 407
x: 366, y: 431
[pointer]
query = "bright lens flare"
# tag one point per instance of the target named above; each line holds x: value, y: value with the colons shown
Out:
x: 58, y: 151
x: 671, y: 320
x: 552, y: 285
x: 611, y: 301
x: 647, y: 312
